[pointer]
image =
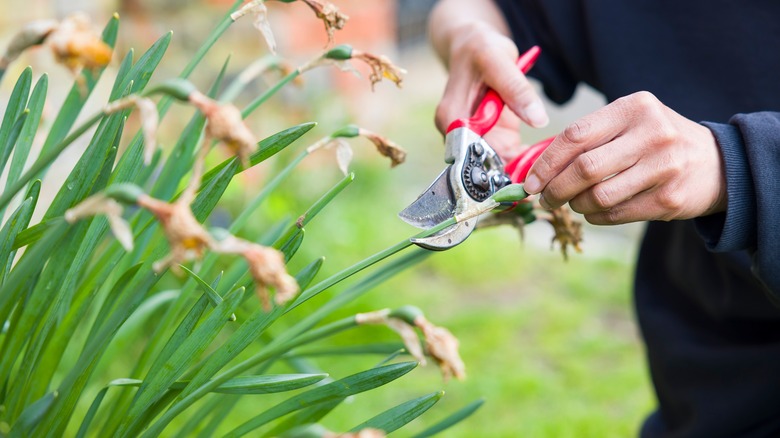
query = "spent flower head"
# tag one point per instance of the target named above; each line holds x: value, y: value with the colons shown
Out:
x: 187, y: 238
x: 330, y: 15
x: 267, y: 267
x: 226, y: 124
x: 77, y: 44
x: 344, y: 154
x: 440, y: 343
x: 381, y: 66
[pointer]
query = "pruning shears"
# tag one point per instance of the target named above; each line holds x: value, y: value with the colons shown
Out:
x: 475, y: 171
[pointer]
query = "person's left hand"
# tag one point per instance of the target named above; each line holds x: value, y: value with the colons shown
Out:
x: 633, y: 160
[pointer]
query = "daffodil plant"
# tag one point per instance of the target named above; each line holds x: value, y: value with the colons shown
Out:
x: 165, y: 325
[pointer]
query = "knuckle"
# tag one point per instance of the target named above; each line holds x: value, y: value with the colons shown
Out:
x: 602, y: 197
x: 587, y: 167
x: 670, y: 200
x: 644, y: 100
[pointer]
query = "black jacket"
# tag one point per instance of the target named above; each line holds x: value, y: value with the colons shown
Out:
x: 706, y: 290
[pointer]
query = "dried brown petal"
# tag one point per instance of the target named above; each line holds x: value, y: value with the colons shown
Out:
x: 226, y: 124
x: 330, y: 15
x: 268, y: 269
x: 402, y: 328
x: 187, y: 238
x: 385, y: 147
x: 443, y: 347
x: 101, y: 204
x: 568, y: 232
x: 381, y: 67
x: 258, y: 9
x: 77, y: 45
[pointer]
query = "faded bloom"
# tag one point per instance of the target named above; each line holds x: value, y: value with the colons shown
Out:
x: 408, y: 336
x: 385, y: 147
x: 567, y: 230
x: 76, y: 44
x: 226, y: 125
x: 102, y: 204
x: 266, y: 265
x: 443, y: 347
x: 149, y: 120
x: 186, y: 236
x: 344, y: 152
x: 268, y: 269
x: 381, y: 67
x: 440, y: 344
x: 330, y: 15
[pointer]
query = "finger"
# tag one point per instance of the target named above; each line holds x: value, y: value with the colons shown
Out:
x: 457, y: 100
x: 612, y: 191
x: 502, y: 75
x: 585, y: 134
x: 504, y: 138
x: 641, y: 207
x: 590, y: 168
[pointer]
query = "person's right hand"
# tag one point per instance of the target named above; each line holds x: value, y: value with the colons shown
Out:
x: 479, y: 55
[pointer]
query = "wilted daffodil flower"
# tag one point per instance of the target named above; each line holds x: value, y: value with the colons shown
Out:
x: 73, y: 41
x: 380, y: 65
x: 384, y: 146
x: 440, y: 344
x: 187, y: 238
x: 267, y: 267
x: 225, y: 124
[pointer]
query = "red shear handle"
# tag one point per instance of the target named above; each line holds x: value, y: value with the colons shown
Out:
x: 489, y: 109
x: 518, y: 168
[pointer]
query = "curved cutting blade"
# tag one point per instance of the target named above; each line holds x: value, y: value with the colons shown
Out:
x: 448, y: 237
x: 435, y: 205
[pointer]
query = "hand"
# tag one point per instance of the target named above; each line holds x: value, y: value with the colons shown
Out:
x: 479, y: 55
x: 633, y: 160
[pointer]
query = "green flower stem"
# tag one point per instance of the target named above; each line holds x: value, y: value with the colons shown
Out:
x: 268, y: 93
x: 246, y: 76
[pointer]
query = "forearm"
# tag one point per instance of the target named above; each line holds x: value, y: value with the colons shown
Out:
x: 451, y: 18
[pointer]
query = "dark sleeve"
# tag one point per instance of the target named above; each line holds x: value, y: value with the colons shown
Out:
x: 532, y: 24
x: 750, y: 146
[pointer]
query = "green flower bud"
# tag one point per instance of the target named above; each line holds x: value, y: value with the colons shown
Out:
x: 349, y: 131
x: 341, y: 52
x: 407, y: 314
x: 510, y: 193
x: 126, y: 193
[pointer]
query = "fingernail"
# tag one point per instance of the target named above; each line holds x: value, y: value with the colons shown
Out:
x: 532, y: 184
x: 536, y: 114
x: 543, y: 203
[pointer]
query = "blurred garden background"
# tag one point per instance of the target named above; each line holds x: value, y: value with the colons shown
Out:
x: 551, y: 345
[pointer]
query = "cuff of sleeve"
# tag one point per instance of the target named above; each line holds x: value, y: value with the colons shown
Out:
x: 732, y: 230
